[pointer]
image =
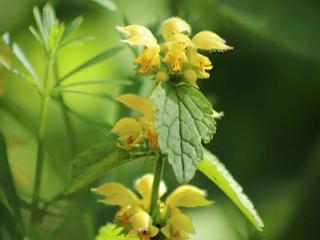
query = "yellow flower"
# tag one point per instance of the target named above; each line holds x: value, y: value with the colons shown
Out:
x: 119, y: 195
x: 187, y: 196
x: 173, y: 26
x: 142, y: 226
x: 132, y: 131
x: 210, y: 41
x: 133, y: 216
x: 178, y: 227
x: 139, y: 35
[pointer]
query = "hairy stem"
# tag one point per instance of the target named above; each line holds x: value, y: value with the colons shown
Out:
x: 40, y: 139
x: 158, y: 171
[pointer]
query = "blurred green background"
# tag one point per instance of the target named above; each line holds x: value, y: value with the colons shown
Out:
x: 268, y: 88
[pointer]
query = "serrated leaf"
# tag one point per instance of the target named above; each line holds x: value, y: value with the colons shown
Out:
x: 217, y: 173
x: 184, y: 118
x: 7, y: 182
x: 107, y: 4
x: 112, y: 232
x: 92, y: 61
x: 94, y: 163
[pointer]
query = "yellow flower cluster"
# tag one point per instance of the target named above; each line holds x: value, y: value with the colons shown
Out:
x: 133, y: 132
x: 133, y: 213
x: 177, y: 55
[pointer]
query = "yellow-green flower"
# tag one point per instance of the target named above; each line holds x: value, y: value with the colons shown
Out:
x: 132, y: 131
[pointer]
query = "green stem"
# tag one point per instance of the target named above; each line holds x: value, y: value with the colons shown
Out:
x: 65, y: 114
x: 158, y: 172
x: 40, y: 139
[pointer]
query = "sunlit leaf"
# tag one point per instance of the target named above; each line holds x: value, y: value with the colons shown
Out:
x: 108, y: 4
x: 49, y: 19
x: 25, y: 62
x: 7, y: 182
x: 38, y: 19
x: 72, y: 27
x: 217, y: 173
x: 95, y: 60
x: 94, y: 163
x: 112, y: 232
x: 35, y: 34
x: 184, y: 118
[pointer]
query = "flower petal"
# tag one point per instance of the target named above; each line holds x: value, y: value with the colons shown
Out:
x: 116, y: 194
x: 178, y: 225
x: 173, y: 26
x: 138, y: 35
x: 207, y: 40
x: 140, y: 104
x: 144, y: 186
x: 187, y: 196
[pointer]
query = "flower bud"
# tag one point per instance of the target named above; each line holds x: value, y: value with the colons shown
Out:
x: 161, y: 76
x: 190, y: 76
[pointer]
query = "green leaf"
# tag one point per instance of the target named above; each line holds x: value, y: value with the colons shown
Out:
x: 101, y: 95
x: 49, y: 19
x: 36, y: 34
x: 107, y: 4
x: 184, y: 118
x: 72, y: 27
x: 217, y: 173
x: 112, y: 232
x: 77, y: 40
x: 38, y: 19
x: 25, y: 62
x: 94, y: 163
x: 7, y: 183
x: 107, y: 82
x: 95, y: 60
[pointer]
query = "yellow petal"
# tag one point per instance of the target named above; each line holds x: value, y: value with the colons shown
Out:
x: 187, y: 196
x: 116, y: 194
x: 142, y: 226
x: 138, y: 35
x: 181, y: 38
x: 178, y: 226
x: 128, y: 129
x: 140, y: 104
x: 144, y: 187
x: 149, y: 59
x: 173, y: 26
x: 207, y: 40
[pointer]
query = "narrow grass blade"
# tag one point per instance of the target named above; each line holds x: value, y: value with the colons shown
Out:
x: 95, y: 60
